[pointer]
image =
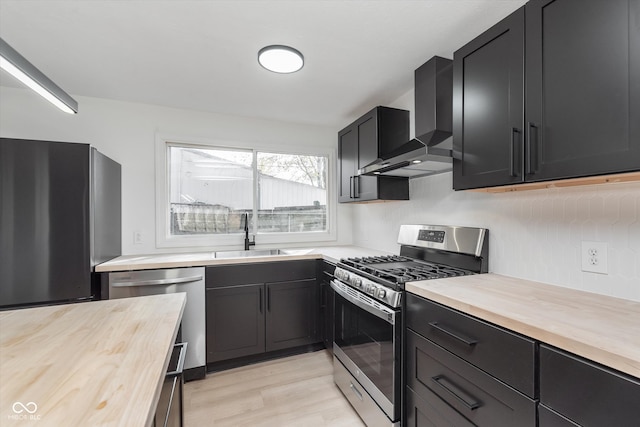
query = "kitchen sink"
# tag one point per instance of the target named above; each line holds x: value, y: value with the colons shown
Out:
x: 249, y: 253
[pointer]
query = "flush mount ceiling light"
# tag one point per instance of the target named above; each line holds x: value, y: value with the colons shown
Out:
x: 280, y: 59
x: 16, y: 65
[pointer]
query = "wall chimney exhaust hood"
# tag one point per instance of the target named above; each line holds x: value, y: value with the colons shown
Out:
x: 430, y: 152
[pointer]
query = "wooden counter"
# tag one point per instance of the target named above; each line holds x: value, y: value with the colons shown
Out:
x: 89, y: 364
x: 198, y: 259
x: 597, y: 327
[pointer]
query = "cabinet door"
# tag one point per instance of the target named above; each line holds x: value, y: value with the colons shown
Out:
x: 583, y: 88
x: 348, y: 162
x: 587, y: 393
x: 292, y: 314
x: 366, y: 187
x: 235, y: 322
x: 327, y: 303
x: 488, y: 105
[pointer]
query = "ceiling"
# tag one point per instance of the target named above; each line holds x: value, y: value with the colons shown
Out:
x: 202, y: 54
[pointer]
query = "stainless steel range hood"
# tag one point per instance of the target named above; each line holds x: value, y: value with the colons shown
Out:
x: 431, y: 151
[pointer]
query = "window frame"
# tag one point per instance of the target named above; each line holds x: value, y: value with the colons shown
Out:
x: 164, y: 238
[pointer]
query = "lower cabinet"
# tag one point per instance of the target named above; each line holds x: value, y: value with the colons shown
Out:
x: 262, y: 307
x: 549, y: 418
x: 235, y: 322
x: 462, y: 371
x: 427, y: 409
x: 575, y: 391
x: 453, y: 387
x: 327, y: 304
x: 169, y: 410
x: 291, y: 314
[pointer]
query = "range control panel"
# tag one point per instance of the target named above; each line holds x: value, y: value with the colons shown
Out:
x: 431, y: 236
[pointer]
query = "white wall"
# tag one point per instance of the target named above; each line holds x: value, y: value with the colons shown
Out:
x: 534, y: 235
x: 126, y: 132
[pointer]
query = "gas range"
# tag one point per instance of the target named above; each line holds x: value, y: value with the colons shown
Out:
x: 368, y: 311
x: 427, y: 252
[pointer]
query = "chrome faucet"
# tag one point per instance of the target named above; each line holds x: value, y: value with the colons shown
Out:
x: 247, y: 243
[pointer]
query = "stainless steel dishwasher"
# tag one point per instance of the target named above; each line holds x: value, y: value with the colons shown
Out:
x: 153, y: 282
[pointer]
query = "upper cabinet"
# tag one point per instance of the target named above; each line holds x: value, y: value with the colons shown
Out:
x: 581, y: 95
x: 582, y: 88
x: 488, y: 79
x: 379, y: 131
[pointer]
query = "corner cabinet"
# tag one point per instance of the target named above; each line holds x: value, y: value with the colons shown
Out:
x: 257, y: 308
x: 376, y: 133
x: 577, y: 112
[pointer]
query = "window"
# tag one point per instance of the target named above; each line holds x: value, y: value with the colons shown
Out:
x: 210, y: 190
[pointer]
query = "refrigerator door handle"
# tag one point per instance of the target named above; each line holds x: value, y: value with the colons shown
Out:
x: 155, y: 282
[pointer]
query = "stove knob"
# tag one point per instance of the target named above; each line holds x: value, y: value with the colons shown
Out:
x: 356, y: 281
x: 382, y: 293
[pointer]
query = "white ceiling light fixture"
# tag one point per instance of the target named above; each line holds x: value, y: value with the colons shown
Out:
x: 16, y: 65
x: 280, y: 59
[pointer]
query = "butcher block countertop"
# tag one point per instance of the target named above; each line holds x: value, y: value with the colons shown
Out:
x: 197, y: 259
x: 597, y: 327
x: 89, y: 364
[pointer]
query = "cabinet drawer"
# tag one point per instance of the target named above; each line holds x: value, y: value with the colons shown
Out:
x: 503, y: 354
x: 260, y: 272
x: 476, y: 395
x: 431, y: 411
x: 549, y: 418
x: 587, y: 393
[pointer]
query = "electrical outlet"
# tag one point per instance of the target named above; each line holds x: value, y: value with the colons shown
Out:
x: 594, y: 257
x: 137, y: 237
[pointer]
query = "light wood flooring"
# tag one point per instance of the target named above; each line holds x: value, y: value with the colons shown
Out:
x: 293, y: 391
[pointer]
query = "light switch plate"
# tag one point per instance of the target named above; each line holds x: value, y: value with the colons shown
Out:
x: 595, y: 257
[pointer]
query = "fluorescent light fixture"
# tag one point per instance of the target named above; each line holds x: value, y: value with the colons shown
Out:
x: 16, y: 65
x: 280, y: 59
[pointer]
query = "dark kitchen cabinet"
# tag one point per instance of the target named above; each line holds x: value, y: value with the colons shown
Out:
x: 488, y: 96
x: 373, y: 135
x: 580, y: 93
x: 170, y: 410
x: 481, y: 399
x: 575, y: 391
x: 460, y: 370
x: 262, y: 307
x: 291, y: 314
x: 503, y: 354
x: 327, y: 303
x: 582, y: 88
x: 428, y: 410
x: 235, y: 322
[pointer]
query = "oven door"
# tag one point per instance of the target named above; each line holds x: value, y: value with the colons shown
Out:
x: 367, y: 342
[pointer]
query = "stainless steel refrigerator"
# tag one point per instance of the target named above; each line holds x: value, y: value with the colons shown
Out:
x: 60, y: 215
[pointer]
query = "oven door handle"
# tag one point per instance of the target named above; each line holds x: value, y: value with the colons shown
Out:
x: 384, y: 313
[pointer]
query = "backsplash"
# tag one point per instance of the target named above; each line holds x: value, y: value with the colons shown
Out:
x: 534, y: 235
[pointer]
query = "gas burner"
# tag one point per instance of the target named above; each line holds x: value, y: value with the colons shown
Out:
x: 397, y: 269
x: 382, y: 259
